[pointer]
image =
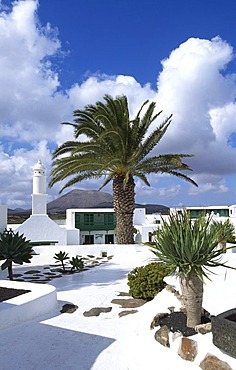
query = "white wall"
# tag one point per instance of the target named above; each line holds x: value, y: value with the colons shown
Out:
x: 41, y: 227
x: 143, y: 233
x: 73, y: 236
x: 3, y: 218
x: 139, y: 216
x: 41, y: 299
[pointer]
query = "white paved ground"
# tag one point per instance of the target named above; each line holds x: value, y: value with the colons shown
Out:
x: 107, y: 342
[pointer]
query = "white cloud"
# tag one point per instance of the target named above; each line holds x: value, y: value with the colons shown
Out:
x: 194, y: 86
x: 209, y: 183
x: 191, y: 82
x: 29, y: 101
x: 95, y: 87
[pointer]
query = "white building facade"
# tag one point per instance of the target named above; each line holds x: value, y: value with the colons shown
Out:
x: 98, y: 225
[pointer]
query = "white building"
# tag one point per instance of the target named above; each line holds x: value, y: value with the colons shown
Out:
x: 39, y: 227
x: 93, y: 226
x: 97, y: 225
x: 218, y: 213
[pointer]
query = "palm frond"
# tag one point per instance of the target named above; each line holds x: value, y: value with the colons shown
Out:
x: 107, y: 142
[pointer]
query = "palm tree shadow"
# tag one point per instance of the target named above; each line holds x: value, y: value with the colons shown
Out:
x: 47, y: 346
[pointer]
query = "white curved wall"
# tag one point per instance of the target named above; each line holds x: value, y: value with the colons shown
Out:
x: 42, y: 228
x: 41, y: 300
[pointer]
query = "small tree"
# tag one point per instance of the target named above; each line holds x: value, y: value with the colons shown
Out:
x: 189, y: 249
x: 76, y: 263
x: 14, y: 248
x: 61, y: 257
x: 225, y: 230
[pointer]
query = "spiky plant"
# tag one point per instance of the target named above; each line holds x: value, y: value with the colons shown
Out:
x: 189, y: 249
x: 226, y: 231
x: 14, y: 248
x: 76, y: 263
x: 61, y: 257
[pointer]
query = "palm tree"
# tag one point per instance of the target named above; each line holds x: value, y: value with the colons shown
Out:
x: 190, y: 249
x: 110, y: 144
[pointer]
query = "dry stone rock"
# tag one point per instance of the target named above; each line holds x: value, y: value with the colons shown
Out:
x: 176, y: 335
x: 203, y: 328
x: 157, y: 318
x: 211, y: 362
x: 127, y: 312
x: 96, y: 311
x: 129, y: 302
x: 124, y: 294
x: 68, y: 308
x: 188, y: 349
x: 162, y: 336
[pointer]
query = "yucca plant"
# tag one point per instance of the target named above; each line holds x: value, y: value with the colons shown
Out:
x: 225, y: 230
x: 76, y: 263
x: 14, y: 248
x: 190, y: 249
x: 61, y: 257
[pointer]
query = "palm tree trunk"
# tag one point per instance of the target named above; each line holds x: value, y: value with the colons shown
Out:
x: 123, y: 199
x: 192, y: 294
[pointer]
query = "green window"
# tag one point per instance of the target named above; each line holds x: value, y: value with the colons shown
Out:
x: 95, y: 221
x: 88, y: 219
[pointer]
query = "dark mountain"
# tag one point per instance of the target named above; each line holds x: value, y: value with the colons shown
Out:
x: 19, y: 211
x: 154, y: 208
x: 79, y: 199
x: 87, y: 199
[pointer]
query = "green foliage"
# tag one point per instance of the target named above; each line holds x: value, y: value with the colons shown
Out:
x: 146, y: 281
x: 61, y: 257
x: 225, y: 230
x: 76, y: 263
x: 185, y: 245
x: 14, y: 248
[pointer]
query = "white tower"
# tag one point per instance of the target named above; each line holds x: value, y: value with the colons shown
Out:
x: 39, y: 196
x: 39, y: 227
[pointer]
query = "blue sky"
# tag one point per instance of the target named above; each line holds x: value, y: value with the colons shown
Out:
x: 58, y: 55
x: 131, y: 37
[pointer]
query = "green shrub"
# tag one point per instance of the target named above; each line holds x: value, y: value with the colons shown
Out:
x: 146, y: 281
